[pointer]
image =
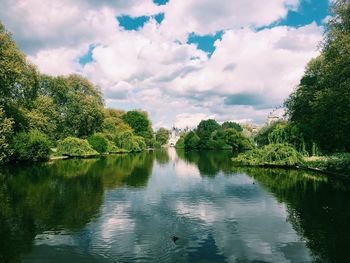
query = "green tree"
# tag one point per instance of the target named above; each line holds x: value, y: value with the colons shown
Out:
x: 232, y: 125
x: 72, y: 146
x: 99, y: 142
x: 140, y: 123
x: 6, y: 133
x: 191, y: 140
x: 162, y: 136
x: 204, y: 130
x: 320, y: 106
x: 31, y: 146
x: 44, y: 116
x: 238, y: 141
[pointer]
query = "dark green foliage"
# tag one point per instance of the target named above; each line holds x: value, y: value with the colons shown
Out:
x: 237, y: 141
x: 204, y: 130
x: 72, y: 146
x: 272, y: 154
x: 138, y: 121
x: 232, y: 125
x: 337, y: 163
x: 99, y: 142
x: 128, y: 141
x: 320, y: 106
x: 162, y: 136
x: 180, y: 144
x: 6, y: 133
x: 191, y: 140
x: 285, y: 132
x: 60, y: 107
x: 31, y: 146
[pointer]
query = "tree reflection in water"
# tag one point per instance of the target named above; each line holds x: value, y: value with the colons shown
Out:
x: 60, y: 196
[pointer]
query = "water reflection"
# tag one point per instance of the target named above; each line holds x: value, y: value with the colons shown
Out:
x: 127, y: 208
x: 209, y: 163
x: 317, y: 209
x: 61, y: 196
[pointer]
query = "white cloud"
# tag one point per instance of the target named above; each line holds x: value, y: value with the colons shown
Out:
x: 249, y: 72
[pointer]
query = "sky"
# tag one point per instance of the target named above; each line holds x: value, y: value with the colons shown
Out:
x: 180, y: 60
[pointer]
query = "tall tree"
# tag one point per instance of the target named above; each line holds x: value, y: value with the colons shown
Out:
x: 320, y: 106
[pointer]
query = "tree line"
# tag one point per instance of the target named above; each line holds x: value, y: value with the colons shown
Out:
x: 39, y: 112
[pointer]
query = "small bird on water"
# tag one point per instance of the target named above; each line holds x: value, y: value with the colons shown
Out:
x: 175, y: 238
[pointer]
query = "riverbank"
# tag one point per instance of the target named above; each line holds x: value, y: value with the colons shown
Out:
x: 285, y: 156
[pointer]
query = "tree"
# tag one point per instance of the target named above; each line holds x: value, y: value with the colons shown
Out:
x: 140, y: 123
x: 231, y: 125
x: 204, y: 130
x: 44, y: 116
x: 98, y: 142
x: 238, y: 141
x: 6, y: 133
x: 320, y: 106
x: 162, y: 136
x: 31, y: 146
x: 191, y: 140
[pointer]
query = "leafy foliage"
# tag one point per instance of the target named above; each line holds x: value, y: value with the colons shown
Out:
x: 6, y: 133
x: 31, y: 146
x: 162, y: 136
x: 204, y: 130
x: 191, y: 140
x: 320, y: 106
x: 180, y: 144
x: 99, y: 142
x: 232, y: 125
x: 272, y: 154
x: 72, y: 146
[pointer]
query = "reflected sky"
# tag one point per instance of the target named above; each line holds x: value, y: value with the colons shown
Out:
x: 226, y: 218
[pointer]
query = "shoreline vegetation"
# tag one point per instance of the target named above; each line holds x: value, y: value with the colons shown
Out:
x: 39, y: 112
x: 67, y: 113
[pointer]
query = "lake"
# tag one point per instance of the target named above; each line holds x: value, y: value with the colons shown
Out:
x: 129, y: 208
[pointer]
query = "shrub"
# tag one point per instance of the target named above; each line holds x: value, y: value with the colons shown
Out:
x: 31, y: 146
x: 272, y: 154
x: 141, y: 142
x: 6, y: 133
x: 180, y: 144
x: 112, y: 148
x: 99, y: 142
x: 338, y: 163
x: 191, y: 140
x: 73, y: 146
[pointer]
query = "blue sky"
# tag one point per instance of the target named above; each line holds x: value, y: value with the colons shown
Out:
x: 308, y: 11
x: 182, y: 61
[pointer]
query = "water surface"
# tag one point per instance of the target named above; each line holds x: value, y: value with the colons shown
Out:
x: 127, y: 208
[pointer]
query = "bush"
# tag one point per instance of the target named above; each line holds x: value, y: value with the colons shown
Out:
x: 99, y: 142
x: 72, y: 146
x: 112, y: 148
x: 32, y: 146
x: 141, y: 142
x: 272, y: 154
x: 191, y: 140
x: 337, y: 163
x: 180, y: 144
x: 6, y: 133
